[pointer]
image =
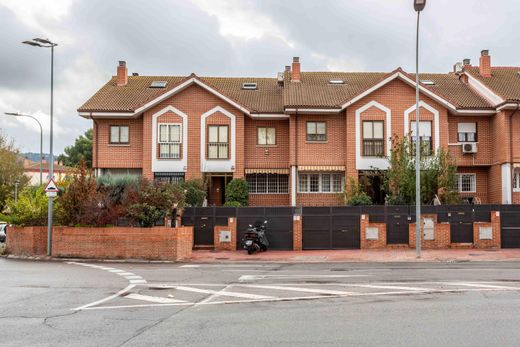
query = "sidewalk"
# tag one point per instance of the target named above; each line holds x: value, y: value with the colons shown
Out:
x: 382, y: 255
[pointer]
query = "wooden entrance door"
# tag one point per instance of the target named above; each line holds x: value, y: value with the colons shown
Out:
x: 216, y: 191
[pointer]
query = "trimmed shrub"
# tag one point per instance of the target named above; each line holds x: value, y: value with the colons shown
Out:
x: 237, y: 192
x: 31, y: 208
x: 194, y: 191
x: 353, y: 195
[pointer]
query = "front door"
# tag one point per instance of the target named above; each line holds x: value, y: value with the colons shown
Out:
x: 216, y: 191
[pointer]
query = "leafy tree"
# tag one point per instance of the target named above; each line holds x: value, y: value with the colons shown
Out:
x: 195, y: 191
x: 237, y: 193
x: 147, y: 202
x: 353, y: 195
x: 82, y: 148
x: 31, y: 208
x: 11, y: 170
x: 437, y: 175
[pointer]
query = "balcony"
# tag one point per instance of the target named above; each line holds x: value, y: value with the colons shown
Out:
x: 373, y: 148
x: 169, y: 150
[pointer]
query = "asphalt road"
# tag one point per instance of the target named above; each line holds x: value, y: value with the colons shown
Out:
x: 334, y: 304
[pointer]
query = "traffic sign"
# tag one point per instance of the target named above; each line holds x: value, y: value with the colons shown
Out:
x: 51, y: 187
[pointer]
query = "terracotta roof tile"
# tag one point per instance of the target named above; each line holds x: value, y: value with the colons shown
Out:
x: 505, y: 81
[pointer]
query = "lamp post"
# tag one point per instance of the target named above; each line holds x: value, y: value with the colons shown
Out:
x: 418, y: 6
x: 17, y: 114
x: 45, y: 43
x: 16, y: 184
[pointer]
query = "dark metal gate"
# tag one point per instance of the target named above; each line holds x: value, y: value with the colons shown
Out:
x: 397, y: 225
x: 203, y: 220
x: 279, y: 225
x: 510, y: 226
x: 330, y: 227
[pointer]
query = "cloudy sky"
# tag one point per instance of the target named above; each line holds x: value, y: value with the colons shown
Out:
x: 225, y: 38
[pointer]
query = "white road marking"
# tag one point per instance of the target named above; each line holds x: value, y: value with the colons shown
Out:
x: 261, y: 277
x: 221, y: 293
x: 155, y: 299
x: 481, y: 285
x: 212, y: 296
x: 296, y: 289
x: 116, y: 271
x: 190, y: 266
x: 388, y: 287
x: 125, y: 273
x: 108, y: 298
x: 133, y: 277
x: 142, y: 281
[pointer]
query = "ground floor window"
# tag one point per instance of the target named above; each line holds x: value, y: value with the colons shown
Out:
x: 169, y: 177
x: 268, y: 183
x: 466, y: 183
x: 317, y: 182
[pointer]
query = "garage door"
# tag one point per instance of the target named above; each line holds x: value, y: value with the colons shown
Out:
x: 330, y: 228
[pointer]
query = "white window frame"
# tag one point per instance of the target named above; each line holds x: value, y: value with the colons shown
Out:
x: 516, y: 180
x: 279, y: 190
x: 459, y: 182
x: 169, y: 142
x: 218, y: 126
x: 320, y: 184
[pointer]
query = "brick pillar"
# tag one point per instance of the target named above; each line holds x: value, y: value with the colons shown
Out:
x: 441, y: 234
x: 228, y: 245
x: 372, y: 240
x: 297, y: 233
x: 487, y: 235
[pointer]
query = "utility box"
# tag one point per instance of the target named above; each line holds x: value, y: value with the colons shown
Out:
x: 429, y: 229
x: 485, y: 233
x: 372, y: 233
x: 224, y: 236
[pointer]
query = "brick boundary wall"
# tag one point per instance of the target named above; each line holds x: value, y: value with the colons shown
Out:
x: 495, y: 241
x: 442, y: 234
x: 371, y: 243
x: 159, y: 243
x: 27, y: 241
x: 230, y: 245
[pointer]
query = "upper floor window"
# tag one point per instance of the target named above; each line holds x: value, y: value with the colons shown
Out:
x: 119, y: 134
x: 218, y: 142
x: 466, y: 183
x: 320, y: 182
x: 516, y: 179
x: 316, y: 131
x: 467, y: 132
x: 425, y: 136
x: 373, y: 138
x: 266, y: 136
x: 169, y: 141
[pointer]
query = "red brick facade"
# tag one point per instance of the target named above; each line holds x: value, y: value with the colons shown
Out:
x: 198, y: 105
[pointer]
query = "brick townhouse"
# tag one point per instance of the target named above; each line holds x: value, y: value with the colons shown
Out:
x: 296, y: 138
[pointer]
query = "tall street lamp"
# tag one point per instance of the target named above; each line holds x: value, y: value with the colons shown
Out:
x: 418, y: 6
x: 17, y: 114
x: 46, y: 43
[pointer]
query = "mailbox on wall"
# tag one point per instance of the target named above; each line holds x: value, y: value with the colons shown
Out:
x: 429, y: 229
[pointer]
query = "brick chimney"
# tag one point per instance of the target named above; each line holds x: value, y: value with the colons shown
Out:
x: 295, y: 76
x: 466, y: 62
x: 122, y: 74
x: 485, y: 63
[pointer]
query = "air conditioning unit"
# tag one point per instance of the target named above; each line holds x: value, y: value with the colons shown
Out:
x: 469, y: 148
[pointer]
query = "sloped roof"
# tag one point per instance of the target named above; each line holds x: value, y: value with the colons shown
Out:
x: 504, y: 80
x: 313, y: 91
x: 267, y: 98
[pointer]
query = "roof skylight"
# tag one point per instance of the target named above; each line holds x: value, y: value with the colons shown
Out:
x: 158, y: 84
x: 249, y: 85
x: 336, y: 81
x: 428, y: 82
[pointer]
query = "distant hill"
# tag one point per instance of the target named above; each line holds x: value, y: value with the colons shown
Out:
x: 35, y: 156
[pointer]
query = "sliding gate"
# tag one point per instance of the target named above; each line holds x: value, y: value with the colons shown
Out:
x: 330, y: 227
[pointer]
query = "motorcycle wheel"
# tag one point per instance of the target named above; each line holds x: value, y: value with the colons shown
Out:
x: 264, y: 248
x: 250, y: 251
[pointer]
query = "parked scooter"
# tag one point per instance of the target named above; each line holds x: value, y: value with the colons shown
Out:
x: 255, y: 238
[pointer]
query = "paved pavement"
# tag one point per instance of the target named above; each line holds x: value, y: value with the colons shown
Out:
x: 361, y: 255
x: 390, y: 304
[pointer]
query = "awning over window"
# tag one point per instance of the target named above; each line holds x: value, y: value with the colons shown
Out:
x: 321, y: 168
x: 267, y: 171
x: 516, y: 165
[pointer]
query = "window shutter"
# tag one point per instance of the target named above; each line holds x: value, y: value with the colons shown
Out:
x: 467, y: 127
